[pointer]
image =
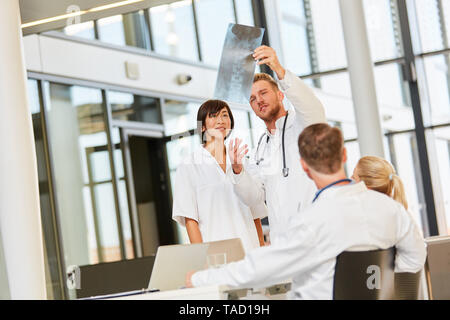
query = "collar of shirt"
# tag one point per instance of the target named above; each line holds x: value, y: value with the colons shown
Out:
x: 280, y: 122
x: 329, y: 186
x: 348, y: 189
x: 207, y: 158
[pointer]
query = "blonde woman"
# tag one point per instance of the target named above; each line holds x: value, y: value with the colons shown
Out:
x: 379, y: 175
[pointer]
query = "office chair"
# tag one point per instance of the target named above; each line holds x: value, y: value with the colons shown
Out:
x: 356, y: 272
x: 407, y: 285
x: 114, y: 277
x: 365, y: 275
x: 437, y: 267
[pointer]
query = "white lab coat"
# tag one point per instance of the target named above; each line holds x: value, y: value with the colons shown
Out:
x: 203, y: 192
x: 343, y: 218
x: 284, y: 195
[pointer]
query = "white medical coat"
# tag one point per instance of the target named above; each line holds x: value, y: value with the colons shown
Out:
x: 284, y: 196
x: 203, y: 192
x: 343, y: 218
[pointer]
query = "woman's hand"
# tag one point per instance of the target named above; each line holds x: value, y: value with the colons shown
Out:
x: 237, y: 153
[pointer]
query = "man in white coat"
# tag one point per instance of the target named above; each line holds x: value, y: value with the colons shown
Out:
x: 272, y: 172
x: 344, y: 216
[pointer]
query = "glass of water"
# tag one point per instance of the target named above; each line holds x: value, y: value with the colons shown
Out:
x: 216, y: 260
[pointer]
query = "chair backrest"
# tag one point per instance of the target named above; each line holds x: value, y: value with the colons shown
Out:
x: 437, y: 267
x: 407, y: 286
x: 365, y: 275
x: 114, y: 277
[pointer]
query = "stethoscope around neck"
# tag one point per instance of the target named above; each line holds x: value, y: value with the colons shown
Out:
x: 259, y: 160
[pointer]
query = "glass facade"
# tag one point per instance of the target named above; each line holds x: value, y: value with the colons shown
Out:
x: 184, y: 29
x: 77, y: 136
x: 173, y: 30
x: 83, y: 181
x: 129, y: 107
x: 312, y: 42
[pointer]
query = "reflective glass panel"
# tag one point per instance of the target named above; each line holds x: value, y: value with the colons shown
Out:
x: 383, y: 33
x: 130, y: 29
x: 129, y: 107
x: 393, y: 98
x: 328, y: 34
x: 213, y: 27
x: 244, y: 12
x: 439, y: 139
x: 173, y: 30
x: 293, y: 35
x: 430, y: 28
x: 180, y: 116
x: 82, y: 174
x: 83, y: 30
x: 437, y: 83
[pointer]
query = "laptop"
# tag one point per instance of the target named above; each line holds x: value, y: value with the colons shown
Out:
x: 172, y: 262
x: 438, y: 267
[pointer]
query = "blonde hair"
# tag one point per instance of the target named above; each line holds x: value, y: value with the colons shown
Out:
x: 268, y: 78
x: 379, y: 175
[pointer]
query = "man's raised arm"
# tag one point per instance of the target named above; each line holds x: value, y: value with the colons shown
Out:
x: 308, y: 107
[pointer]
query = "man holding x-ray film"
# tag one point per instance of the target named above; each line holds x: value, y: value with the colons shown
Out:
x: 272, y: 171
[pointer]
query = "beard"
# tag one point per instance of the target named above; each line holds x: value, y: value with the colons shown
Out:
x: 272, y: 113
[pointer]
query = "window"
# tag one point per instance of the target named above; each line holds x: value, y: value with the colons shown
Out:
x: 440, y: 140
x: 383, y: 29
x: 212, y: 27
x: 129, y: 107
x: 82, y: 174
x: 438, y: 86
x: 173, y: 30
x: 244, y: 12
x: 328, y: 34
x: 406, y: 164
x: 179, y: 116
x: 129, y: 29
x: 110, y: 30
x: 51, y: 253
x: 294, y: 37
x: 430, y: 28
x: 83, y: 30
x: 180, y: 148
x: 241, y: 127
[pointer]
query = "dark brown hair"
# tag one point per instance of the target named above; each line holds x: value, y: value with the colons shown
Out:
x: 211, y: 107
x: 321, y: 146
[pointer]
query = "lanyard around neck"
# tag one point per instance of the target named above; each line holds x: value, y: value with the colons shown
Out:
x: 329, y: 186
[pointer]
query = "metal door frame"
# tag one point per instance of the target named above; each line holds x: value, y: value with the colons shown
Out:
x: 126, y: 130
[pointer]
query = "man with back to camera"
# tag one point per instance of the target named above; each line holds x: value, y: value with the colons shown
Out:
x: 272, y: 173
x: 344, y: 216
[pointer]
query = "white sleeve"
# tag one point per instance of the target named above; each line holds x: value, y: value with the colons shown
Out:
x: 411, y: 248
x: 184, y: 197
x: 248, y: 186
x: 309, y: 110
x: 259, y: 211
x: 267, y: 265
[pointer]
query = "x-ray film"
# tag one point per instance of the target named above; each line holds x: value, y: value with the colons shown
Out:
x: 237, y: 65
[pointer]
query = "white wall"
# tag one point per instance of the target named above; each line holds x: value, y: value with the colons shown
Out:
x: 72, y: 59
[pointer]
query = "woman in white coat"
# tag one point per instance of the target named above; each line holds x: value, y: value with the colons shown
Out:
x: 379, y: 175
x: 204, y: 199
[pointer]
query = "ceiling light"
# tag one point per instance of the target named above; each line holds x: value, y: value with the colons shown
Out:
x: 79, y: 13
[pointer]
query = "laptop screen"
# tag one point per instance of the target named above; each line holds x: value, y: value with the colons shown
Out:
x: 174, y: 261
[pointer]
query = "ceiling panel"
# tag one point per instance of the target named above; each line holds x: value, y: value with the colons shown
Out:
x: 35, y: 10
